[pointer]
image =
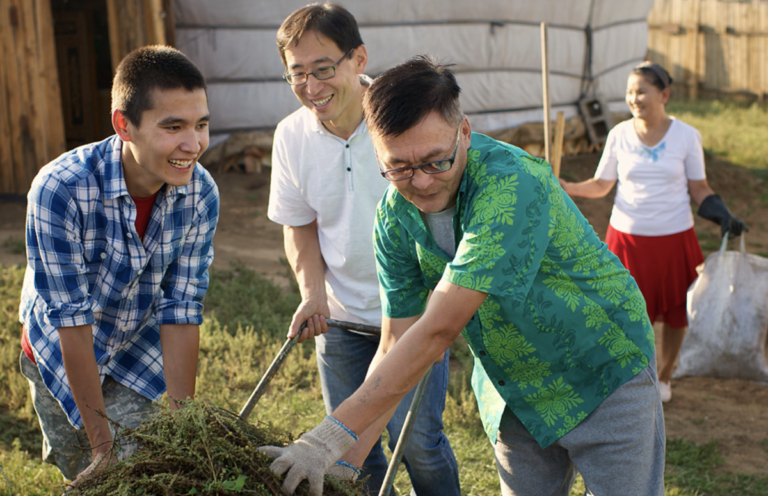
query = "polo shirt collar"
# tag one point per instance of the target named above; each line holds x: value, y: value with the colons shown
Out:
x: 317, y: 126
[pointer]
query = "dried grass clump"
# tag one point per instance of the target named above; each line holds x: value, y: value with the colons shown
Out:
x: 201, y: 450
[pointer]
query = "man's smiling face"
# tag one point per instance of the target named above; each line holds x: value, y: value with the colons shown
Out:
x: 166, y: 145
x: 431, y: 139
x: 336, y: 100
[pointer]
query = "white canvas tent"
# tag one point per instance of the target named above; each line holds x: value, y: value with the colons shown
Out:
x: 494, y: 44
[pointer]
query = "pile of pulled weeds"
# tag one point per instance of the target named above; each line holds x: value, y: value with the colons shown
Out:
x: 201, y: 450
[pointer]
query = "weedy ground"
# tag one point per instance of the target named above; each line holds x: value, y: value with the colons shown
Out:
x: 202, y: 450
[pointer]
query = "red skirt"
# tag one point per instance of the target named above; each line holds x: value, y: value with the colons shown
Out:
x: 663, y: 266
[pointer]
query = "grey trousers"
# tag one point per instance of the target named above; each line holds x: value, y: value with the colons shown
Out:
x: 68, y: 448
x: 618, y: 449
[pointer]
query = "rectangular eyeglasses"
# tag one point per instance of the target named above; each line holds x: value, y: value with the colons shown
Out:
x: 321, y: 73
x: 435, y: 167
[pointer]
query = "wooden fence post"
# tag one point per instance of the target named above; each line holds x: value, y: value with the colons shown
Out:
x: 693, y: 50
x: 545, y: 89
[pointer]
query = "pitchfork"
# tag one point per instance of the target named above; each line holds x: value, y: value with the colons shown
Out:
x: 397, y: 455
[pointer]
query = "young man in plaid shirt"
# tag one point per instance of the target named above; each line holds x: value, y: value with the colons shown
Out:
x: 119, y: 241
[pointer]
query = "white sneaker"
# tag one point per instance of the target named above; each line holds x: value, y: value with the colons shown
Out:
x: 666, y: 391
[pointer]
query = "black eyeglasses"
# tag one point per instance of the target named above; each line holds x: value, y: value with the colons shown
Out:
x: 435, y: 167
x: 321, y: 73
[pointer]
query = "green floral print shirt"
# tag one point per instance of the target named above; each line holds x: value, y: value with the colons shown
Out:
x: 564, y: 324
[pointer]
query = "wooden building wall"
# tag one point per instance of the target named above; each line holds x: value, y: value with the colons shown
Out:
x: 712, y: 46
x: 135, y: 23
x: 31, y: 126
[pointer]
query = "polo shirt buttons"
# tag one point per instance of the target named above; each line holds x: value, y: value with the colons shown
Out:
x: 103, y: 255
x: 501, y: 383
x: 482, y: 353
x: 347, y: 145
x: 349, y: 168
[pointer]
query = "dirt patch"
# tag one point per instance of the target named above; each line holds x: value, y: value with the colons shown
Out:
x: 245, y: 233
x: 735, y: 413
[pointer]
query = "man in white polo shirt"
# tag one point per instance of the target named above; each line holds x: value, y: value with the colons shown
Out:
x: 324, y: 191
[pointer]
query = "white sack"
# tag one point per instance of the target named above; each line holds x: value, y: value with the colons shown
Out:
x: 727, y: 318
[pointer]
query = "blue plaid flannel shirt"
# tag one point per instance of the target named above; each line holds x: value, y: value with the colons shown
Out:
x: 87, y: 265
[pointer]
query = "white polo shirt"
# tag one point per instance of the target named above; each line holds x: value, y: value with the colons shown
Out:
x: 652, y: 196
x: 317, y: 175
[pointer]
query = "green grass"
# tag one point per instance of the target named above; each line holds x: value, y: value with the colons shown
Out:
x: 15, y: 246
x: 233, y: 356
x: 731, y: 131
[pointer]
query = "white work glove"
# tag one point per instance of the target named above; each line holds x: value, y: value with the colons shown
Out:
x: 312, y: 455
x: 344, y: 471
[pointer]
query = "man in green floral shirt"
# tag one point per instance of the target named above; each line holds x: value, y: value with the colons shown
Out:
x: 476, y: 237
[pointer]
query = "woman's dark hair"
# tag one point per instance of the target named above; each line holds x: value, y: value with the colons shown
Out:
x: 656, y: 74
x: 402, y: 96
x: 332, y: 21
x: 147, y: 68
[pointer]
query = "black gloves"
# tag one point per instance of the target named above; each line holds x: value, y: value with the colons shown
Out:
x: 713, y: 208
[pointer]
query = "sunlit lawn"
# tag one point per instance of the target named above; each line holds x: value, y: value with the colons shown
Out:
x: 731, y: 131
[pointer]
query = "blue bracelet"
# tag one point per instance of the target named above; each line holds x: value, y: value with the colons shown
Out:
x: 344, y: 426
x: 345, y: 464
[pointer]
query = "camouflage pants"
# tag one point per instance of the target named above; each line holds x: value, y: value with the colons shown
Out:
x: 68, y: 448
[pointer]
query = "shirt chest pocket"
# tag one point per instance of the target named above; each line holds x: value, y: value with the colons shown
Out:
x: 170, y: 249
x: 109, y: 273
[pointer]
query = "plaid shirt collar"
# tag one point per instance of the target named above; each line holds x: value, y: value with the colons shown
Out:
x: 111, y: 176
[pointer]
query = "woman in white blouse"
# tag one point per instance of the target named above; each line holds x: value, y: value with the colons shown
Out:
x: 658, y: 162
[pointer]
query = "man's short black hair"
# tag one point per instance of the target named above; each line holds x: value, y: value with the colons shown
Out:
x: 332, y: 21
x: 402, y: 96
x: 148, y: 68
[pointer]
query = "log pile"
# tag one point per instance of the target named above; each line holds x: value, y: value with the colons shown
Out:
x: 530, y: 136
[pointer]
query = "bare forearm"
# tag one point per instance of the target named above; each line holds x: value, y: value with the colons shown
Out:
x: 180, y: 344
x: 398, y: 373
x: 302, y: 249
x: 83, y: 376
x: 591, y: 188
x: 448, y: 311
x: 391, y: 331
x: 699, y: 190
x: 368, y: 439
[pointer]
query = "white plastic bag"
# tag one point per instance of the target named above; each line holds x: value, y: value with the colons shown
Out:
x: 727, y: 318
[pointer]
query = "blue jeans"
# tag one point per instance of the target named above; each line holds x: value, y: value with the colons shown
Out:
x: 343, y: 358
